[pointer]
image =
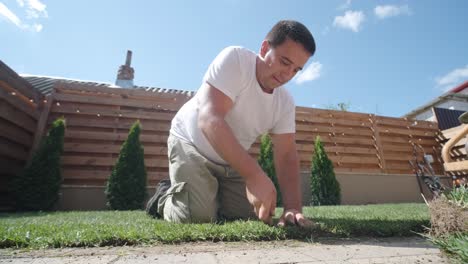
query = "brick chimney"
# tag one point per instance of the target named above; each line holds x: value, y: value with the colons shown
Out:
x: 126, y: 73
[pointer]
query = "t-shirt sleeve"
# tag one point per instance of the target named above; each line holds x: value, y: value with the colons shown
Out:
x: 225, y: 72
x: 287, y: 121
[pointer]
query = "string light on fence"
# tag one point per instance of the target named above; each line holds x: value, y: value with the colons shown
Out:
x: 98, y: 114
x: 120, y: 115
x: 58, y: 103
x: 77, y: 110
x: 13, y: 93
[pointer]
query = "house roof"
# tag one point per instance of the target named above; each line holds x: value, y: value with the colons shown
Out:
x: 45, y: 84
x: 451, y: 94
x: 447, y: 118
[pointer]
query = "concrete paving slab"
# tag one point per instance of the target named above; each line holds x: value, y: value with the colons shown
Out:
x: 331, y: 251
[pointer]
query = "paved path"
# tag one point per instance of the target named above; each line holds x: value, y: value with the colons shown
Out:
x: 331, y: 251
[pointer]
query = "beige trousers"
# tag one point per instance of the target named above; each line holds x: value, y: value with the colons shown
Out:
x: 201, y: 191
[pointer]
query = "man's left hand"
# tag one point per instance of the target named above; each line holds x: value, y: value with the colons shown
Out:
x: 294, y: 217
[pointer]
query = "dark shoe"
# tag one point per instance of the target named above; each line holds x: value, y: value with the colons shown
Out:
x: 152, y: 205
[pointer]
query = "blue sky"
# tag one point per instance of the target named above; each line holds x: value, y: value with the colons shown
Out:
x: 383, y: 57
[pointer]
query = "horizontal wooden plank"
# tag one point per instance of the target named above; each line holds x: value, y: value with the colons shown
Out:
x: 109, y: 149
x: 104, y: 161
x: 405, y: 131
x: 118, y: 101
x: 106, y: 122
x: 338, y: 149
x: 398, y: 171
x: 24, y: 106
x: 17, y: 117
x: 104, y: 174
x: 397, y: 148
x: 313, y: 119
x: 98, y: 183
x: 10, y: 80
x: 70, y: 87
x: 12, y: 150
x: 401, y: 122
x: 90, y: 110
x: 364, y: 160
x: 365, y: 142
x: 358, y: 170
x: 15, y: 134
x: 324, y: 113
x: 11, y: 166
x: 406, y: 139
x: 119, y: 137
x: 340, y: 131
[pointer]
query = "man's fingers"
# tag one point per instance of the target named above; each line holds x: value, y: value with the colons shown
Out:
x: 264, y: 214
x: 273, y: 206
x: 290, y: 218
x: 287, y: 218
x: 281, y: 221
x: 303, y: 222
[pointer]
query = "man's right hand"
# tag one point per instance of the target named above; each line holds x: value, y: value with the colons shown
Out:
x: 261, y: 193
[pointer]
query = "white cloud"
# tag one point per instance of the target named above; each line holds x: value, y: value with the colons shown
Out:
x: 33, y: 8
x: 351, y: 20
x: 310, y: 73
x: 387, y: 11
x: 6, y: 13
x: 452, y: 78
x: 346, y: 5
x: 20, y: 3
x: 37, y: 27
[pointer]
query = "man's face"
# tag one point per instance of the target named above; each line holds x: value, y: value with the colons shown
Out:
x: 280, y: 64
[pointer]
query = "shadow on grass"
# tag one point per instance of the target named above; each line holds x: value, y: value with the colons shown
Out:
x: 348, y: 227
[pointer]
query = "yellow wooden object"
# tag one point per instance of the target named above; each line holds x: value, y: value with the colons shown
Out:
x: 449, y: 163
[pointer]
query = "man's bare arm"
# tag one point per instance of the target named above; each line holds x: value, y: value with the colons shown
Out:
x: 213, y: 107
x: 287, y: 170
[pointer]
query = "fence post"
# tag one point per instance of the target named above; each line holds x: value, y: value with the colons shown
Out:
x: 378, y: 143
x: 41, y: 124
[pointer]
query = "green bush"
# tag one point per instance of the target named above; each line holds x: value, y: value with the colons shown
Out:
x: 266, y: 161
x: 126, y: 187
x: 37, y: 186
x: 324, y: 186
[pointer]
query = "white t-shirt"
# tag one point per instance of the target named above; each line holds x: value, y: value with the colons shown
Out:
x: 254, y: 112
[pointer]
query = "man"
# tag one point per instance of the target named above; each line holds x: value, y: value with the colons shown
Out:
x: 212, y: 176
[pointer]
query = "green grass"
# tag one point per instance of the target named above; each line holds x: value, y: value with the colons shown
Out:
x: 455, y: 245
x: 106, y: 228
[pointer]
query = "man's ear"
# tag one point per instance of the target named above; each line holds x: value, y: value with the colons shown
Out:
x: 265, y: 48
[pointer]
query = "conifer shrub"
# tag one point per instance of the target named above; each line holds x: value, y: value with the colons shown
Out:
x: 266, y: 161
x: 324, y: 186
x: 37, y: 187
x: 126, y: 187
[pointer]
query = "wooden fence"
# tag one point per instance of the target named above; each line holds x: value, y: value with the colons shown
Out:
x: 98, y: 120
x: 365, y: 143
x: 20, y: 110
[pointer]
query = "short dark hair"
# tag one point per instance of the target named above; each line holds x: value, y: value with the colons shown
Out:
x: 293, y: 30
